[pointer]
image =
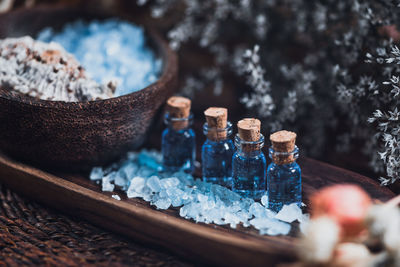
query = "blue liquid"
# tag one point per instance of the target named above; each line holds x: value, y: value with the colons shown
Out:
x: 217, y: 161
x: 249, y: 174
x: 283, y: 185
x: 179, y: 150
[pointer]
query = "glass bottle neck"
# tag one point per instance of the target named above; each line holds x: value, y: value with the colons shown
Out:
x: 249, y: 148
x: 216, y: 134
x: 178, y: 124
x: 284, y: 158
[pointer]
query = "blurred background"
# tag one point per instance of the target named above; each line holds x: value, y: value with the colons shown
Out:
x: 326, y: 69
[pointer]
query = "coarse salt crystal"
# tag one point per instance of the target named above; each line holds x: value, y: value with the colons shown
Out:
x: 116, y: 197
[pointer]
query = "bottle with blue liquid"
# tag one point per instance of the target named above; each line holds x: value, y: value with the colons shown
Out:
x: 178, y: 144
x: 284, y: 174
x: 218, y: 149
x: 248, y: 162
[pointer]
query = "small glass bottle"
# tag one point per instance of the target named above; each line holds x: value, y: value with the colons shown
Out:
x: 284, y: 174
x: 178, y: 139
x: 218, y: 149
x: 248, y: 162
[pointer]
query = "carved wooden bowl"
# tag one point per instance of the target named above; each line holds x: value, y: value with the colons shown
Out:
x: 77, y: 135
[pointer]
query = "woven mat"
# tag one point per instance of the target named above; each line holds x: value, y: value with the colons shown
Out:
x: 33, y: 234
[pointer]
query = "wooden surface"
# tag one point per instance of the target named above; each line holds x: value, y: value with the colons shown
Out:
x: 136, y: 219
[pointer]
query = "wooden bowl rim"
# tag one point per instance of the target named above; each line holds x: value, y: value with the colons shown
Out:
x: 166, y: 54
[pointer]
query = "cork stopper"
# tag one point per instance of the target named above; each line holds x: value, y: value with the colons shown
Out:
x: 249, y: 130
x: 283, y: 142
x: 179, y: 107
x: 217, y: 119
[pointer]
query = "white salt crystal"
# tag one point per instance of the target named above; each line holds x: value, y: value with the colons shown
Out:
x: 129, y: 169
x: 183, y: 211
x: 246, y: 203
x: 163, y: 193
x: 215, y: 216
x: 169, y: 182
x: 120, y: 180
x: 271, y: 226
x: 96, y: 174
x: 154, y: 184
x: 261, y: 223
x: 231, y: 219
x: 147, y: 195
x: 290, y: 213
x: 163, y: 203
x: 200, y: 218
x: 243, y: 216
x: 132, y: 194
x: 175, y: 194
x: 136, y: 187
x: 258, y: 210
x: 184, y: 178
x: 116, y: 197
x: 137, y: 184
x: 224, y: 193
x: 279, y: 228
x: 264, y: 200
x: 106, y: 184
x: 235, y: 207
x: 209, y: 204
x: 202, y: 198
x: 193, y: 210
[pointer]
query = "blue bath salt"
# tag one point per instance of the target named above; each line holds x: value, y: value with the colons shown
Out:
x: 109, y: 50
x: 140, y: 175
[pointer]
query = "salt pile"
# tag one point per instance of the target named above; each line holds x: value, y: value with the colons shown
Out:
x: 109, y: 50
x: 141, y: 176
x: 46, y: 71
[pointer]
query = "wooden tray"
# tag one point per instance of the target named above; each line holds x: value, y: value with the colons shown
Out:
x: 221, y: 245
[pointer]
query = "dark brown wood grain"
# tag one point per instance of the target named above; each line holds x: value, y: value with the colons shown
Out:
x: 76, y: 135
x: 221, y: 245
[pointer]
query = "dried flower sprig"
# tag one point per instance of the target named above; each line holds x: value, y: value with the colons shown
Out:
x: 309, y: 65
